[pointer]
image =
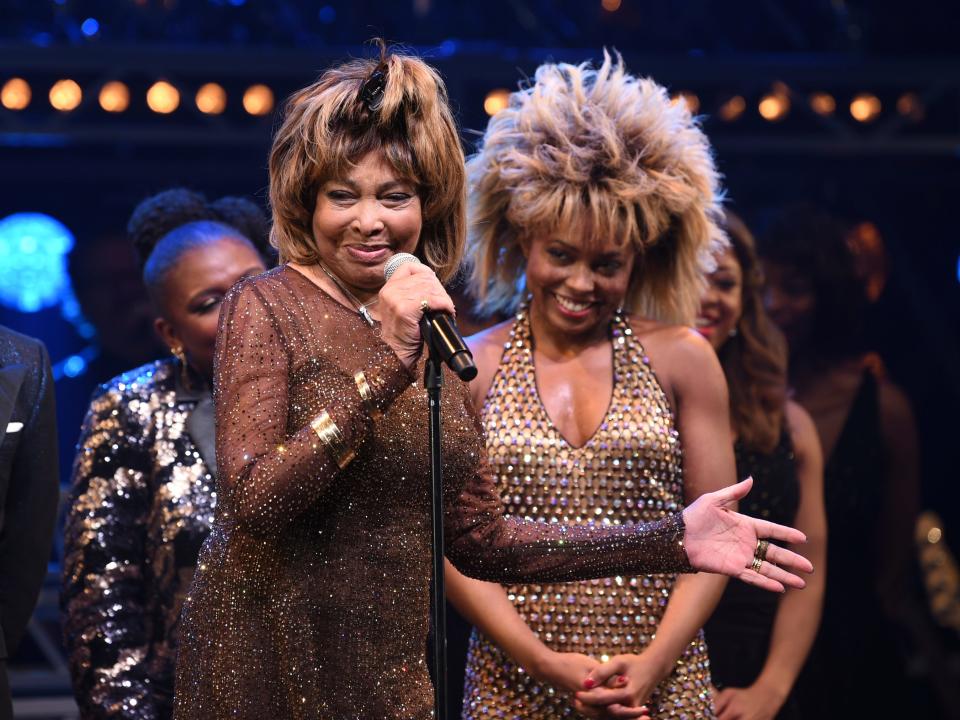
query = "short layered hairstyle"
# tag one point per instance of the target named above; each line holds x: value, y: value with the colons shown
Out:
x: 328, y: 126
x: 600, y: 149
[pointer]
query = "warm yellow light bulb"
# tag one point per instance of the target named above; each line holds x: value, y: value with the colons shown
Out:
x: 114, y: 97
x: 495, y: 101
x: 15, y: 94
x: 211, y: 99
x: 865, y: 107
x: 774, y: 107
x: 258, y: 100
x: 732, y: 108
x: 65, y: 95
x: 823, y: 103
x: 163, y: 98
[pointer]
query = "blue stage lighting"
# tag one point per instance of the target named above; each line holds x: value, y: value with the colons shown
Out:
x: 327, y: 14
x: 33, y: 261
x: 74, y: 366
x: 90, y: 27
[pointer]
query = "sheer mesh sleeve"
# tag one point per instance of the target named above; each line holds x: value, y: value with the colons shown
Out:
x: 269, y: 473
x: 482, y: 543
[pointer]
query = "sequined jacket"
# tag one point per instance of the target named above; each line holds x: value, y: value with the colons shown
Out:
x: 141, y: 505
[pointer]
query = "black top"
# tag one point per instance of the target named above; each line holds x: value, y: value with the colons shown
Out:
x: 855, y: 648
x: 738, y: 633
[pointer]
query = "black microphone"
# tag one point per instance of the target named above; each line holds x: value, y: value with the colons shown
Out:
x: 439, y: 330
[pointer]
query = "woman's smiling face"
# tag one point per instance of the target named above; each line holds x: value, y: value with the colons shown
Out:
x: 577, y: 285
x: 364, y: 218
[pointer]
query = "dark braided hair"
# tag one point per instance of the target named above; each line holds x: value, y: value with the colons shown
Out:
x: 167, y: 224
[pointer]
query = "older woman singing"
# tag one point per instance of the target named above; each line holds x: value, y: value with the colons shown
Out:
x: 311, y: 597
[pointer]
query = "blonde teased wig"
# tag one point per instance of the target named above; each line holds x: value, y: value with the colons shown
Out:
x: 327, y: 127
x: 601, y: 149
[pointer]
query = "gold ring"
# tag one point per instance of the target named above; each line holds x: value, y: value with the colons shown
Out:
x: 755, y: 565
x: 424, y: 306
x: 762, y: 547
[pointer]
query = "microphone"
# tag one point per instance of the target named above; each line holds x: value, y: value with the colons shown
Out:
x: 439, y: 329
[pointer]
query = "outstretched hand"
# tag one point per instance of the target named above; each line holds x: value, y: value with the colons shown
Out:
x: 720, y: 540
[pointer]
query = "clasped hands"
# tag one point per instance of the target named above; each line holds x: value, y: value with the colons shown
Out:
x: 613, y: 689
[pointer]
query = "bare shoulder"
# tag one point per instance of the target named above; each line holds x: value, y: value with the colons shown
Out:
x: 896, y: 412
x: 673, y: 348
x: 803, y: 432
x: 487, y: 348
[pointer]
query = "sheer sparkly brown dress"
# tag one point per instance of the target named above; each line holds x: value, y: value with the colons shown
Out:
x: 311, y: 596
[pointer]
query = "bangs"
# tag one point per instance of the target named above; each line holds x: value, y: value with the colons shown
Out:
x: 347, y: 149
x: 591, y: 215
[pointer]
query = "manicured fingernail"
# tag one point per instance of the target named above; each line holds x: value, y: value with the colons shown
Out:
x: 621, y: 679
x: 589, y: 683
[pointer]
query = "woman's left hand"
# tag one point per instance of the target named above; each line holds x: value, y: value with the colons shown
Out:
x: 620, y: 687
x: 757, y: 702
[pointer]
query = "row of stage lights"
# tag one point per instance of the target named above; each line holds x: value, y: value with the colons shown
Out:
x: 114, y: 97
x: 211, y: 99
x: 773, y: 106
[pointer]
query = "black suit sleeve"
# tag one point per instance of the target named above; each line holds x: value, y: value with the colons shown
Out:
x: 31, y: 503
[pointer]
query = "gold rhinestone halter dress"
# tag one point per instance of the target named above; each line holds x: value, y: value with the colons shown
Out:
x: 629, y: 471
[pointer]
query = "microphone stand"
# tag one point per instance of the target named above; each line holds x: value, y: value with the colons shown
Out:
x: 433, y: 381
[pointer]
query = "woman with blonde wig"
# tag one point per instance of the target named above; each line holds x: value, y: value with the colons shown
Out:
x: 594, y: 203
x: 311, y: 594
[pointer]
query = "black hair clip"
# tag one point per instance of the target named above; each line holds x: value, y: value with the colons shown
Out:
x: 371, y: 94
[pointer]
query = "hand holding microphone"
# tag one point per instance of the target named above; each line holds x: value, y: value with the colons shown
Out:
x: 416, y: 309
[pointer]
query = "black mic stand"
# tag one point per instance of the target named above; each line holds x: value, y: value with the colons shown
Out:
x: 433, y: 381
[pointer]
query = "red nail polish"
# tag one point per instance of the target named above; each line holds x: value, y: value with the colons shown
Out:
x: 621, y: 679
x: 589, y: 683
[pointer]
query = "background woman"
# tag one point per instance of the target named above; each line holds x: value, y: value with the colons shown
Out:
x: 871, y: 477
x: 597, y: 198
x: 143, y: 481
x: 311, y: 598
x: 759, y: 641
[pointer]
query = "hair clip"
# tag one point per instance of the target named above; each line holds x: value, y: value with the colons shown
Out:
x: 371, y: 94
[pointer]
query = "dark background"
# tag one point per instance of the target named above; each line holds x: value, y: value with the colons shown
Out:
x: 88, y: 168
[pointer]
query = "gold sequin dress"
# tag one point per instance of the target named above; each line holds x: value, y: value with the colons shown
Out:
x: 311, y: 596
x: 141, y: 505
x: 628, y: 472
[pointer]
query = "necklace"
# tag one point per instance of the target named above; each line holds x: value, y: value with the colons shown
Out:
x: 361, y: 307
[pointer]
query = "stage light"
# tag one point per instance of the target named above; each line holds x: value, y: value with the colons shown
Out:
x: 692, y: 101
x: 90, y: 27
x: 732, y: 108
x: 114, y: 97
x: 865, y: 107
x: 327, y: 14
x: 65, y: 95
x: 211, y: 99
x: 33, y: 263
x: 15, y: 94
x: 774, y: 107
x: 910, y: 106
x: 258, y: 100
x: 495, y: 101
x: 611, y: 5
x: 823, y: 103
x: 163, y: 98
